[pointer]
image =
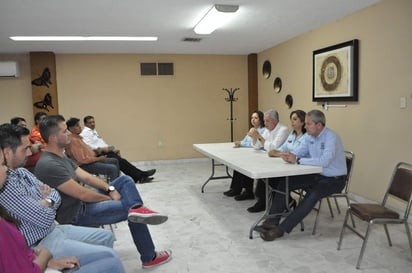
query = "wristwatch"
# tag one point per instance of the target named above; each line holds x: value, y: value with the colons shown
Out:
x: 49, y: 201
x: 111, y: 189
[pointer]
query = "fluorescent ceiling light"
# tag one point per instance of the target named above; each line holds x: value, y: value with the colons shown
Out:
x: 82, y: 38
x: 217, y: 16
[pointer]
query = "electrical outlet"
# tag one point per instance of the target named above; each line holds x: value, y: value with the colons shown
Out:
x: 402, y: 103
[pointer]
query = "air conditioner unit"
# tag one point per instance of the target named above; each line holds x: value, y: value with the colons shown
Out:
x: 9, y: 69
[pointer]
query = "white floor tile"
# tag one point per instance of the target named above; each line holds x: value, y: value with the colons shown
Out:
x: 208, y: 232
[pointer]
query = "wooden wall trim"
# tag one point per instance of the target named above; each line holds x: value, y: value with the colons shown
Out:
x: 252, y: 84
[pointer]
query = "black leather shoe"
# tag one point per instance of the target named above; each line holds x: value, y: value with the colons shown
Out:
x: 230, y: 193
x: 257, y: 207
x: 150, y: 172
x: 146, y: 179
x: 245, y: 196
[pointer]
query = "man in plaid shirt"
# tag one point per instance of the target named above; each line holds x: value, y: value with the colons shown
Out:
x: 34, y: 205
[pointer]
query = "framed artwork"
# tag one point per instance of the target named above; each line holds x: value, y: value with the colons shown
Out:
x: 335, y: 72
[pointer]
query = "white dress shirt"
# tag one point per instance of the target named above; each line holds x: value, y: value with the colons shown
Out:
x: 273, y: 139
x: 93, y: 139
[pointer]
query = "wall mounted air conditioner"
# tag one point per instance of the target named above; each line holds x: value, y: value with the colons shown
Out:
x: 9, y: 69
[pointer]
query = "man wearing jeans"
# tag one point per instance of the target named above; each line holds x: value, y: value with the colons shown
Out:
x: 110, y: 203
x: 322, y: 147
x: 34, y: 205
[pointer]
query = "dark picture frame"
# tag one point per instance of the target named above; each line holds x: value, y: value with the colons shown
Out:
x: 335, y: 72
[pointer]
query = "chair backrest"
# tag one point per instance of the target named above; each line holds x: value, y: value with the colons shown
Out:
x: 400, y: 185
x: 350, y: 158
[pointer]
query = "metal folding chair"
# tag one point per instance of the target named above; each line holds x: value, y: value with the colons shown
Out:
x: 350, y: 158
x: 400, y: 188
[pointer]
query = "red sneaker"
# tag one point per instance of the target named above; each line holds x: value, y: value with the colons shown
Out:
x: 161, y: 258
x: 147, y: 216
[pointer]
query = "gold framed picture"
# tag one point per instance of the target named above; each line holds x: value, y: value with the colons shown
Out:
x: 335, y: 72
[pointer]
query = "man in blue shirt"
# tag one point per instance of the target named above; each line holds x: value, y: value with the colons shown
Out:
x: 322, y: 147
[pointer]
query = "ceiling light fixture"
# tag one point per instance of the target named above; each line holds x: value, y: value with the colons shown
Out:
x: 215, y: 17
x: 83, y: 38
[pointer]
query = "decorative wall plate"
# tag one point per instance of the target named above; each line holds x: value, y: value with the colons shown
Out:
x: 277, y: 84
x: 266, y: 69
x: 289, y: 100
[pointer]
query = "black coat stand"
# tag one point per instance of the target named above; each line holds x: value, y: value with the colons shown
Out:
x: 231, y: 98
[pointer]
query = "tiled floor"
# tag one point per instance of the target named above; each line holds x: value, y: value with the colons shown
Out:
x: 209, y: 233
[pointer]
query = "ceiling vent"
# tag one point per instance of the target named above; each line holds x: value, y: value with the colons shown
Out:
x: 190, y: 39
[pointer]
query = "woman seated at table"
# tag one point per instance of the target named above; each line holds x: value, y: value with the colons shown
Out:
x: 295, y: 138
x: 240, y: 181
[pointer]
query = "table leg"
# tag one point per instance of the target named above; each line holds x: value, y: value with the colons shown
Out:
x: 213, y: 177
x: 267, y: 214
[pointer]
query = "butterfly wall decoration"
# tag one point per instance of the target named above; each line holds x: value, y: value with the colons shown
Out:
x: 45, y: 103
x: 44, y: 79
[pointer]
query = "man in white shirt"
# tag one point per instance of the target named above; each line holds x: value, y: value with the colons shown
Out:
x: 96, y: 142
x: 272, y: 138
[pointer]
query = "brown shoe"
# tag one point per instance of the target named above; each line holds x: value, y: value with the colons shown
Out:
x: 267, y: 225
x: 272, y: 234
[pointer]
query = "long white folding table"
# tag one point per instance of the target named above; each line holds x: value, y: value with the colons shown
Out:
x: 255, y: 164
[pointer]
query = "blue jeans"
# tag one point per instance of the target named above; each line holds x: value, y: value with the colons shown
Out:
x: 114, y: 211
x: 92, y: 246
x: 109, y: 167
x: 316, y: 186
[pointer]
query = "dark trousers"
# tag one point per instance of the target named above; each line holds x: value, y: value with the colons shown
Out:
x: 316, y: 187
x: 240, y: 181
x: 260, y: 190
x: 127, y: 168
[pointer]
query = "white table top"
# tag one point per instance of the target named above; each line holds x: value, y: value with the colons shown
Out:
x: 252, y: 163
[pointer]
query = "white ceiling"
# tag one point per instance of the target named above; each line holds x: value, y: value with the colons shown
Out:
x: 259, y: 24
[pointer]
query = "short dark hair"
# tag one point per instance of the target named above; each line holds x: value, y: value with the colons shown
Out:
x: 16, y: 120
x: 38, y: 115
x: 72, y: 122
x: 10, y: 135
x: 49, y: 126
x: 86, y: 119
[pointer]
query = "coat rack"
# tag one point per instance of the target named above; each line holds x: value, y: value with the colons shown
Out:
x: 231, y: 98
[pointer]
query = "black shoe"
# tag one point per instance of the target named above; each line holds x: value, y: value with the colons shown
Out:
x: 146, y: 179
x: 230, y: 193
x: 244, y: 196
x: 150, y: 172
x: 257, y: 207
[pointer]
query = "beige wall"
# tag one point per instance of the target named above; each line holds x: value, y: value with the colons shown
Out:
x: 135, y: 112
x: 15, y: 93
x: 154, y: 117
x: 147, y: 117
x: 375, y: 127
